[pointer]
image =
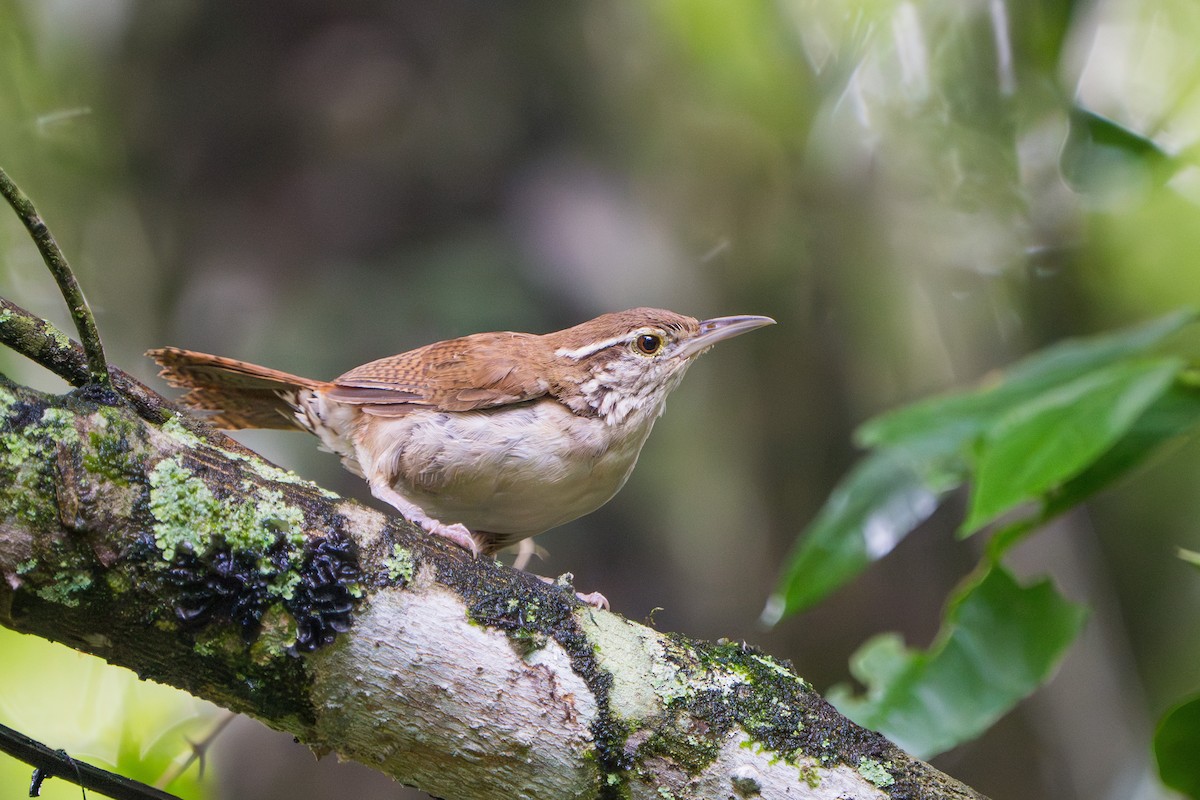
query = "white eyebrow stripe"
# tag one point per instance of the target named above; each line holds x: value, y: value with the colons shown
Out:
x: 588, y: 349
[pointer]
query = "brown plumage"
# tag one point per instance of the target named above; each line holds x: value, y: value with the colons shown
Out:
x: 482, y: 370
x: 478, y: 371
x: 244, y: 395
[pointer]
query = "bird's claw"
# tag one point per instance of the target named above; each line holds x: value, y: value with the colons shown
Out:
x: 593, y: 599
x: 456, y: 533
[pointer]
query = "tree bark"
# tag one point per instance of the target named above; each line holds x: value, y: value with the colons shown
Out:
x: 165, y: 547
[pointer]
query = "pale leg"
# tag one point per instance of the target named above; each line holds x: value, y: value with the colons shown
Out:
x: 456, y: 533
x: 525, y: 552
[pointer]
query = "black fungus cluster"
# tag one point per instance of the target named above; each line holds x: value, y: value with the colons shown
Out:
x: 322, y: 603
x: 23, y: 414
x: 223, y: 586
x: 237, y: 587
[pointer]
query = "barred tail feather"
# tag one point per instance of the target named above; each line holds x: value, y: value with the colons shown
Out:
x: 241, y: 394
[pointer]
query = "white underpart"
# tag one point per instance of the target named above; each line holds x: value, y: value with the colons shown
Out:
x: 510, y: 471
x: 333, y: 424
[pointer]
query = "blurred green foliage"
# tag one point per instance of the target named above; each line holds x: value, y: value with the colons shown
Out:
x: 1047, y: 435
x: 99, y: 714
x: 1044, y: 426
x: 1175, y: 745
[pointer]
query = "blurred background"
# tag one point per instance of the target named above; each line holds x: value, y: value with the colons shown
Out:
x: 314, y: 185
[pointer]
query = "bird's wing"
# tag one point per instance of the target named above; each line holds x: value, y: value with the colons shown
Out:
x: 473, y: 372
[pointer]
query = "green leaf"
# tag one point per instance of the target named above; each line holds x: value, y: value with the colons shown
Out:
x: 1054, y: 436
x: 955, y: 419
x: 1169, y: 417
x: 1176, y: 744
x: 884, y: 497
x: 999, y: 641
x: 1188, y: 556
x: 1101, y: 154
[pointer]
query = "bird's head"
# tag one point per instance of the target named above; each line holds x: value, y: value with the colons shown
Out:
x: 624, y: 364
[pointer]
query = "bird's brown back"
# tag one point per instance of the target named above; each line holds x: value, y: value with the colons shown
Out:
x: 478, y: 371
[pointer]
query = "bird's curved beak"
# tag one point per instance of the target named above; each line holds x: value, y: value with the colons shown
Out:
x: 719, y: 328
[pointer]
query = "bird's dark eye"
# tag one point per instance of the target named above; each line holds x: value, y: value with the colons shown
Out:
x: 648, y: 343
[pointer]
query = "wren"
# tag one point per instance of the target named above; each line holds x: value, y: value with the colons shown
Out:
x: 487, y: 439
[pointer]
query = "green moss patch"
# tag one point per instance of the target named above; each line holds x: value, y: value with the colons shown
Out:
x: 875, y: 772
x: 188, y: 516
x: 736, y: 686
x: 400, y: 565
x: 65, y: 586
x: 233, y: 559
x: 30, y: 436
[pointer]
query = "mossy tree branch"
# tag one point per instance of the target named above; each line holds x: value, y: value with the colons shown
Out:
x: 208, y: 569
x: 44, y: 344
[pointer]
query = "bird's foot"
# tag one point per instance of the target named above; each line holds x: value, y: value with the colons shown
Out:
x: 593, y: 599
x: 456, y: 533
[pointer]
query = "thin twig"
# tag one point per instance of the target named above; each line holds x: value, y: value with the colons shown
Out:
x: 199, y: 751
x: 57, y: 764
x: 85, y: 322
